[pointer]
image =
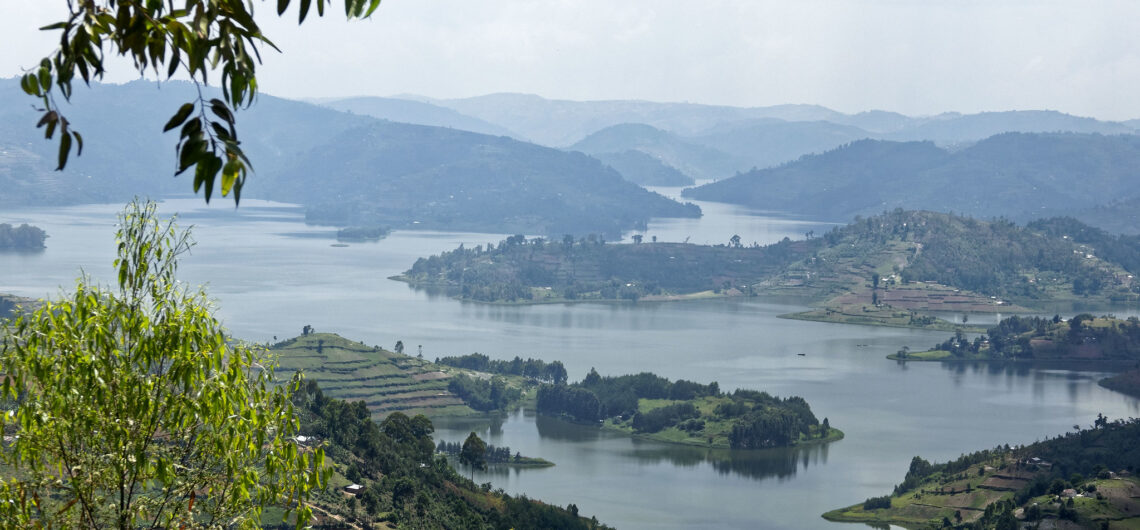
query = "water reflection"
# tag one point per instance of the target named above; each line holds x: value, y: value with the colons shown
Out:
x: 779, y: 463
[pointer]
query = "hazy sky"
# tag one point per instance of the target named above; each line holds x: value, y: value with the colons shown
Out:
x: 915, y: 57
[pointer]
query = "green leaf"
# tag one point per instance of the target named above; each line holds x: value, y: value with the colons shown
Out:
x: 372, y: 8
x: 229, y: 176
x: 179, y: 117
x: 282, y: 5
x: 64, y: 150
x: 304, y: 10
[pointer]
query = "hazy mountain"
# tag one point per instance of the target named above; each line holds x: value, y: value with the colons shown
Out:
x: 416, y: 112
x: 1119, y: 216
x: 954, y: 128
x: 1019, y: 175
x: 689, y: 157
x: 360, y: 168
x: 561, y: 123
x: 432, y: 177
x: 768, y: 142
x: 644, y: 169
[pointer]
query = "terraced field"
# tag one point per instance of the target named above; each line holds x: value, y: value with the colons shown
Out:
x: 386, y: 381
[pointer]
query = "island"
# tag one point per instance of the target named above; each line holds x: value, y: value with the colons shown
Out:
x: 23, y: 237
x: 684, y: 412
x: 1079, y: 479
x: 893, y: 269
x: 495, y: 456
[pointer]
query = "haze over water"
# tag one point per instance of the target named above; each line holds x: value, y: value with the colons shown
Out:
x: 270, y: 277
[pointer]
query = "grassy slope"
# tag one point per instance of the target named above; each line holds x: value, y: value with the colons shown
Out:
x: 386, y: 381
x: 915, y: 509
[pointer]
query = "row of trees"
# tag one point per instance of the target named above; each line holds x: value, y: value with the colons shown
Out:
x: 1014, y: 337
x: 484, y: 395
x: 23, y: 237
x: 491, y: 453
x: 536, y: 369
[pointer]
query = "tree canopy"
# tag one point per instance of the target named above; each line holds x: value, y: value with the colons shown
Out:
x: 128, y: 408
x: 200, y: 39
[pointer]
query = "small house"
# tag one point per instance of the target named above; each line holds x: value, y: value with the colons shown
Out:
x: 353, y: 489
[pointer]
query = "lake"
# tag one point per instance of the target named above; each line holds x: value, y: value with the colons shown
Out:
x: 271, y: 275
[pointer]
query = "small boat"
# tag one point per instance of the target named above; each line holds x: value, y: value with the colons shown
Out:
x: 802, y: 354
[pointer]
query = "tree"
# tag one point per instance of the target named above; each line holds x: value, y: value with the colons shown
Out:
x: 400, y: 347
x: 197, y: 39
x: 637, y: 239
x: 735, y: 240
x: 132, y: 409
x: 473, y: 453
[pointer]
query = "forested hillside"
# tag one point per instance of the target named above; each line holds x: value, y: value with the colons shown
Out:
x: 404, y: 483
x: 346, y: 169
x: 431, y: 177
x: 1016, y: 175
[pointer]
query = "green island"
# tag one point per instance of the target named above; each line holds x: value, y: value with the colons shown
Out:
x: 893, y: 269
x: 24, y: 237
x: 648, y: 406
x: 358, y: 234
x: 495, y: 456
x: 683, y: 412
x: 1080, y: 479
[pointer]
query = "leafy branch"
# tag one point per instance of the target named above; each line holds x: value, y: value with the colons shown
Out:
x: 202, y: 37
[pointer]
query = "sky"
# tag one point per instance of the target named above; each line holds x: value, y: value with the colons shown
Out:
x: 910, y: 56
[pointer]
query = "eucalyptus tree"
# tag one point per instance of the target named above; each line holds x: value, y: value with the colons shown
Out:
x: 129, y: 407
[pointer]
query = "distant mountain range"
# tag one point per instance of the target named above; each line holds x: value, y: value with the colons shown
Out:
x: 740, y: 139
x: 344, y: 167
x: 1017, y: 175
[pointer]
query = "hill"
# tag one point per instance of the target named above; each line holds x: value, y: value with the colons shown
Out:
x: 1079, y: 479
x: 562, y: 122
x: 644, y: 169
x: 370, y: 172
x: 1018, y: 175
x: 688, y: 157
x: 416, y: 113
x: 877, y: 270
x: 430, y: 177
x: 387, y: 382
x: 769, y: 142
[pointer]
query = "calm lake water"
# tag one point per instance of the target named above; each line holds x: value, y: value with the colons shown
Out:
x: 271, y: 275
